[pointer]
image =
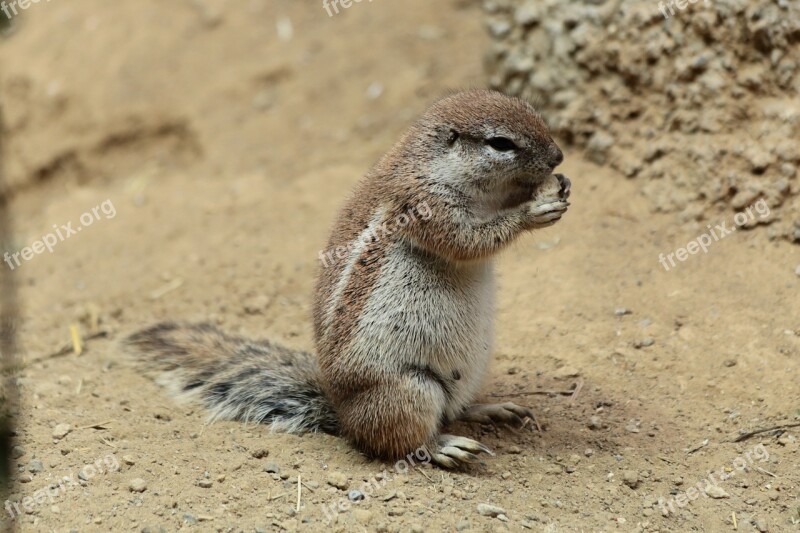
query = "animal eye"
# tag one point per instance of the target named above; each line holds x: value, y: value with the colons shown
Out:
x: 501, y: 144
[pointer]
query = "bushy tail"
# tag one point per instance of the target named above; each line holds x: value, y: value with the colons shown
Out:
x: 236, y: 378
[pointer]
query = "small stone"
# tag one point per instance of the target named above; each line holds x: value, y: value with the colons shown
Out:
x: 338, y: 480
x: 259, y: 453
x: 205, y: 483
x: 35, y: 466
x: 566, y: 372
x: 644, y: 343
x: 25, y: 478
x: 271, y: 467
x: 729, y: 362
x: 514, y: 450
x: 355, y: 495
x: 761, y: 525
x: 594, y: 423
x: 416, y: 528
x: 499, y: 28
x: 554, y: 470
x: 797, y: 270
x: 599, y: 146
x: 375, y: 90
x: 622, y: 311
x: 485, y: 509
x: 633, y: 426
x: 128, y: 460
x: 462, y: 525
x: 363, y: 516
x: 19, y: 451
x: 716, y: 492
x: 61, y: 431
x: 189, y: 519
x: 137, y: 485
x: 630, y: 478
x: 588, y: 452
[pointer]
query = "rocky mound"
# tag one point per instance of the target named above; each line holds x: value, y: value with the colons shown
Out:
x: 697, y: 99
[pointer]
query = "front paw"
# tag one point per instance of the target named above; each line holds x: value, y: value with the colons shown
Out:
x: 545, y: 212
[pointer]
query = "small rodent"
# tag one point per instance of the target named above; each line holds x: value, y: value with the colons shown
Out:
x: 403, y: 312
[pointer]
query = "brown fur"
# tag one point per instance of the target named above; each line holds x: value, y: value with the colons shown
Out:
x: 402, y: 322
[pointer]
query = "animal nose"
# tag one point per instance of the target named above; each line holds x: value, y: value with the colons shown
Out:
x: 556, y: 156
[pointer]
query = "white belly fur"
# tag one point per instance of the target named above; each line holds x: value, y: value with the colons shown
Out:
x: 427, y: 313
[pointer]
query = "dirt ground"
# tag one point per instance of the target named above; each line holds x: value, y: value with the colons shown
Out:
x: 215, y: 141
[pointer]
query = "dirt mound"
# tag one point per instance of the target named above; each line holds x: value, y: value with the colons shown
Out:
x: 700, y: 103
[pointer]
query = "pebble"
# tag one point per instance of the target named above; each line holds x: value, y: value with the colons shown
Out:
x: 259, y: 453
x: 35, y: 466
x: 797, y: 270
x: 644, y: 343
x: 355, y: 495
x: 375, y: 90
x: 363, y: 516
x: 338, y: 480
x: 416, y: 528
x: 61, y: 431
x: 189, y: 519
x: 514, y: 450
x: 128, y: 460
x: 271, y: 468
x: 622, y: 311
x: 485, y: 509
x: 205, y: 483
x: 716, y: 492
x: 19, y: 451
x: 137, y: 485
x: 599, y: 146
x: 25, y: 478
x: 761, y: 525
x: 630, y: 478
x: 594, y: 423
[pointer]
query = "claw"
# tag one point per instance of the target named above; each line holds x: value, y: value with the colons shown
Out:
x: 566, y: 185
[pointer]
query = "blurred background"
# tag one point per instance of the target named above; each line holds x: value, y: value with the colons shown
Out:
x: 183, y: 160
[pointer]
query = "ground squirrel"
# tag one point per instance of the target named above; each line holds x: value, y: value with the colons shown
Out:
x: 402, y: 322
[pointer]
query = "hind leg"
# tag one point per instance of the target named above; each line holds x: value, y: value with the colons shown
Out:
x: 401, y: 415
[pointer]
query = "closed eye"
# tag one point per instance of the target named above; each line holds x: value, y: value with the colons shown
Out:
x: 501, y: 144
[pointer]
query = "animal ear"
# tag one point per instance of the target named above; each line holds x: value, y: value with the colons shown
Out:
x: 452, y: 136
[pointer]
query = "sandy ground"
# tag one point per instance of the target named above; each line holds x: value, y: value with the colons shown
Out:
x: 223, y: 141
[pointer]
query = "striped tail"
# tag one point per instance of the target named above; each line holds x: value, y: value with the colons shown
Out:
x: 236, y: 378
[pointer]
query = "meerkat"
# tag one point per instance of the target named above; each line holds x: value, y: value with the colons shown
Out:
x: 403, y: 320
